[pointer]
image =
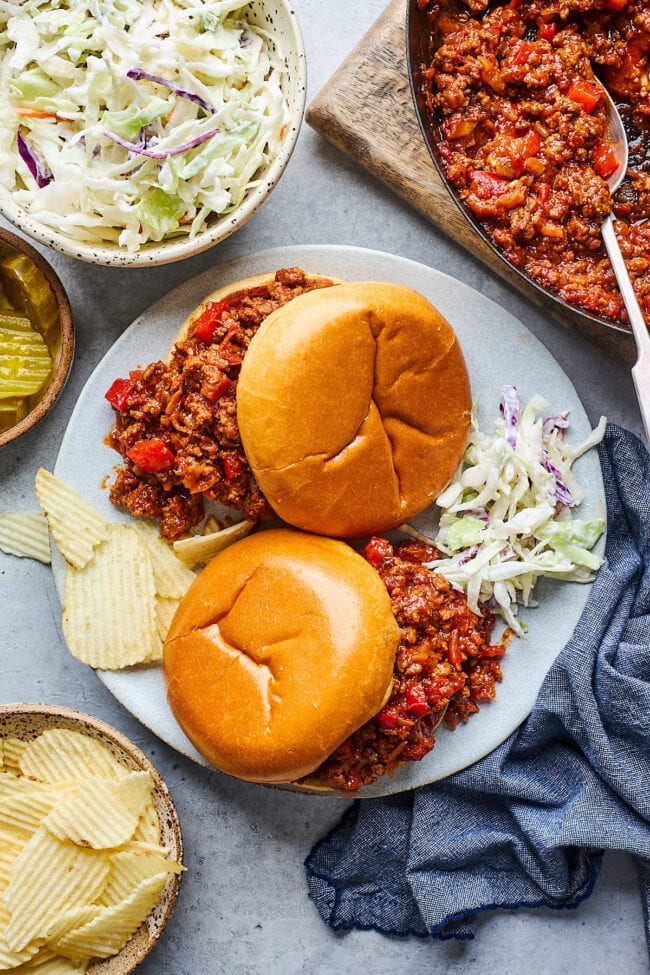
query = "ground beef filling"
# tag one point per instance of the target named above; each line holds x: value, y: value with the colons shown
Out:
x: 444, y: 666
x: 176, y: 422
x: 524, y: 140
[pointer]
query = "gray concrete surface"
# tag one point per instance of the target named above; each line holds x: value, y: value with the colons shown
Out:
x: 244, y: 906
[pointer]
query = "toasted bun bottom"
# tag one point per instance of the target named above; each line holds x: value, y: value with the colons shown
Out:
x: 353, y: 406
x: 232, y: 291
x: 281, y: 649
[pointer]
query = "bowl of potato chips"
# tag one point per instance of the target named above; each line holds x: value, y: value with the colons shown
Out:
x: 90, y: 845
x: 36, y: 337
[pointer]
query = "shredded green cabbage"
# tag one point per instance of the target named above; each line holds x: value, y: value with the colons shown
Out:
x: 71, y: 82
x: 507, y: 515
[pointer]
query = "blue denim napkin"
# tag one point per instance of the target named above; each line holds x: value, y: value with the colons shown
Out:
x: 526, y: 826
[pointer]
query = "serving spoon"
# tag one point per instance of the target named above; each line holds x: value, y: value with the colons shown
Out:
x: 641, y: 369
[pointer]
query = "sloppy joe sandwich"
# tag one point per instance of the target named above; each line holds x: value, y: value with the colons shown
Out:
x: 282, y: 648
x: 176, y: 420
x: 294, y: 659
x: 341, y: 408
x: 353, y: 407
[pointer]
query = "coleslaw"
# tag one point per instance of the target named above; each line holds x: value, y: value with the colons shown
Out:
x: 507, y: 516
x: 129, y: 121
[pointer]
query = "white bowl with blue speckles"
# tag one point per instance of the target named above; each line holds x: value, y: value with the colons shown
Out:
x: 278, y: 19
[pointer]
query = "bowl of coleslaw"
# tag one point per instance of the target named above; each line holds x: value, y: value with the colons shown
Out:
x: 137, y: 132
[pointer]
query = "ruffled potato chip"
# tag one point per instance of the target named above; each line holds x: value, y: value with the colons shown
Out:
x: 202, y: 548
x: 10, y: 958
x: 76, y: 527
x: 112, y: 926
x: 129, y: 867
x: 172, y: 577
x: 101, y: 814
x: 48, y: 878
x: 23, y: 803
x: 47, y: 963
x: 26, y: 536
x: 165, y: 612
x: 148, y: 828
x: 12, y: 841
x: 12, y: 749
x: 108, y: 611
x: 59, y: 755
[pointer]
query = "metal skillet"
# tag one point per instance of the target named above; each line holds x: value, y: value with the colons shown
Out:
x: 422, y: 42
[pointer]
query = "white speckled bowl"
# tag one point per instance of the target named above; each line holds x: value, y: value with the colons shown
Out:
x: 279, y: 20
x: 28, y: 721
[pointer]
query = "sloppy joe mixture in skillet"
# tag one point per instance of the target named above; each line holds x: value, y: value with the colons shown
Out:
x: 523, y: 134
x: 176, y: 421
x: 444, y: 666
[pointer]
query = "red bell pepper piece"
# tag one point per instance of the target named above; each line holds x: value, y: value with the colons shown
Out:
x: 523, y: 51
x: 486, y: 185
x: 388, y: 717
x: 496, y: 650
x: 376, y: 550
x: 151, y: 456
x: 232, y: 466
x: 118, y: 394
x: 416, y: 701
x: 548, y: 30
x: 585, y: 94
x: 543, y: 191
x: 605, y: 161
x: 206, y: 323
x: 615, y: 4
x: 213, y: 393
x: 524, y: 149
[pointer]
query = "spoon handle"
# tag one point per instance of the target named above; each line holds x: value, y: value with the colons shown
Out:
x: 641, y: 370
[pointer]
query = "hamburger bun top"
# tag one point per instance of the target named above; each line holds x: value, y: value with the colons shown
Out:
x: 353, y: 406
x: 282, y: 647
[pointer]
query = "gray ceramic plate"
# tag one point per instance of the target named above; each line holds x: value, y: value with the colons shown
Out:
x: 499, y: 350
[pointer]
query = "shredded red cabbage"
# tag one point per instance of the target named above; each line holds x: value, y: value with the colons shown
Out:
x: 510, y: 410
x: 137, y: 74
x: 562, y: 493
x: 39, y: 170
x: 142, y: 150
x: 555, y: 423
x: 479, y: 513
x: 468, y: 555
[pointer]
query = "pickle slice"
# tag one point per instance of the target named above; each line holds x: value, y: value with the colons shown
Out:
x: 12, y: 411
x: 28, y: 290
x: 25, y: 363
x: 15, y: 321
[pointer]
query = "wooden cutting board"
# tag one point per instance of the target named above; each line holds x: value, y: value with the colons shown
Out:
x: 366, y: 110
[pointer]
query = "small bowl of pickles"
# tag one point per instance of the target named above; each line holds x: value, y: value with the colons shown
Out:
x: 36, y: 337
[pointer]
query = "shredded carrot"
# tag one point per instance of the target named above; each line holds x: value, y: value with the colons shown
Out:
x: 35, y: 113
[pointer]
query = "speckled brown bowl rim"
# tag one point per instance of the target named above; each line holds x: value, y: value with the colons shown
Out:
x: 60, y: 377
x: 27, y: 721
x: 157, y: 253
